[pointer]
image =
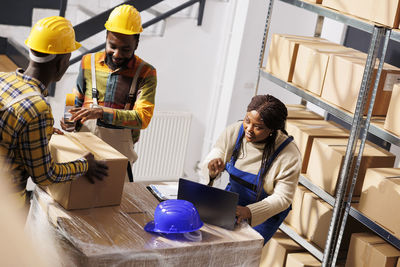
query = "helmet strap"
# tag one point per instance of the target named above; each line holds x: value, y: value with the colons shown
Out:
x: 41, y: 59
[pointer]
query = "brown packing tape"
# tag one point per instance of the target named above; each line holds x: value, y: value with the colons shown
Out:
x: 79, y: 144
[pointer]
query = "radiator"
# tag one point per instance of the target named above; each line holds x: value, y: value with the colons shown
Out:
x: 162, y: 147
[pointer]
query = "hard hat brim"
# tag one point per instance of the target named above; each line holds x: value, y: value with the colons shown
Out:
x: 151, y: 227
x: 38, y: 49
x: 121, y: 30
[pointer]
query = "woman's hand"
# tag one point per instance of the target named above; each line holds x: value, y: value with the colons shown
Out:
x: 242, y: 214
x: 215, y: 167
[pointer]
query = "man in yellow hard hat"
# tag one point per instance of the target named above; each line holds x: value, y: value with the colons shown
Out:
x: 25, y: 117
x: 115, y: 88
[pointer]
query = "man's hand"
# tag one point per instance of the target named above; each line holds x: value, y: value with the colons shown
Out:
x: 242, y: 213
x: 57, y: 131
x: 96, y: 169
x: 66, y: 127
x: 215, y: 167
x: 85, y: 114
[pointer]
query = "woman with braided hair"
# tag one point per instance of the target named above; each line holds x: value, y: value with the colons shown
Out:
x: 262, y: 162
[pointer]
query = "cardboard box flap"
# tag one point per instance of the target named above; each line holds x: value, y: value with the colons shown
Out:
x: 360, y: 58
x: 340, y: 145
x: 98, y: 147
x: 64, y: 149
x: 387, y: 250
x: 304, y: 259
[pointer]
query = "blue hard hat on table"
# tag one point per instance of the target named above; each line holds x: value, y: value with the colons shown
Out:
x: 175, y: 216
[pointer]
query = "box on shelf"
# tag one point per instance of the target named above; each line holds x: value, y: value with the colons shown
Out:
x: 383, y: 12
x: 327, y: 156
x: 380, y: 198
x: 283, y: 53
x: 114, y: 236
x: 392, y: 122
x: 369, y: 250
x: 301, y: 112
x: 343, y: 81
x: 353, y: 7
x: 311, y: 64
x: 315, y: 219
x: 275, y: 252
x: 80, y: 193
x: 303, y: 259
x: 293, y: 218
x: 304, y: 132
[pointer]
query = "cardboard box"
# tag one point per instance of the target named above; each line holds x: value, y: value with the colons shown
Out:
x: 359, y: 8
x: 368, y: 250
x: 80, y: 193
x: 380, y: 198
x: 392, y: 122
x: 293, y: 218
x: 327, y: 156
x: 304, y: 259
x: 114, y: 236
x: 304, y: 132
x: 274, y: 253
x: 311, y: 64
x: 384, y: 12
x: 283, y: 53
x: 301, y: 112
x: 315, y: 220
x: 343, y: 81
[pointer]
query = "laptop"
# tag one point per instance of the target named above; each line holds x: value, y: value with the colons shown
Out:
x: 215, y: 206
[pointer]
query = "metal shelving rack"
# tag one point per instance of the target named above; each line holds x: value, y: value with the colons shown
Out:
x: 360, y: 126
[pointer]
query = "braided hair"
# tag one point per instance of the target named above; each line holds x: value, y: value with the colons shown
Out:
x: 273, y: 113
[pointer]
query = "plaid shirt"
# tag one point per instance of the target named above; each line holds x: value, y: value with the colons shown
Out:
x: 113, y: 92
x: 25, y: 131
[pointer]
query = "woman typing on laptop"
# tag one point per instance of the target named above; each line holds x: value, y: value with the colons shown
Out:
x: 262, y: 162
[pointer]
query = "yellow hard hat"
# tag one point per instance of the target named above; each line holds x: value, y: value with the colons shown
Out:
x: 53, y: 35
x: 124, y: 19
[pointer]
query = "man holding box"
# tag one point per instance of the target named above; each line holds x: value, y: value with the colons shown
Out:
x: 25, y: 117
x: 115, y: 88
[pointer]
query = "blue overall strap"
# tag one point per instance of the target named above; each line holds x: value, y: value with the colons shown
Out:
x: 237, y: 144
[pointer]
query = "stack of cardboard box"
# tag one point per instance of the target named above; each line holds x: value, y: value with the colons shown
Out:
x: 304, y: 132
x: 328, y: 70
x: 327, y: 157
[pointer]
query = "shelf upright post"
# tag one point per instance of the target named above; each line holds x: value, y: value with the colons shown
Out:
x: 264, y: 43
x: 363, y: 138
x: 339, y: 208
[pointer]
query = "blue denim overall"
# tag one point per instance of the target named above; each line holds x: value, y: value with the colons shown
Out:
x: 245, y: 184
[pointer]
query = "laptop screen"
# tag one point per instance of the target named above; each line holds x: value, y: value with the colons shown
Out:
x: 215, y: 206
